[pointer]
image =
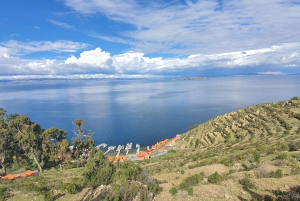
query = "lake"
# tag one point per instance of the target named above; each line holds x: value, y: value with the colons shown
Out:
x: 140, y: 111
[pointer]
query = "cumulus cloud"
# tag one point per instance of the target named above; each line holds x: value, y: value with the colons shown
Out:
x: 200, y: 27
x: 132, y: 63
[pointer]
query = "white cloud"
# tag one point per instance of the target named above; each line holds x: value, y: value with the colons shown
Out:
x: 108, y: 38
x: 61, y: 24
x: 204, y: 26
x: 270, y: 73
x: 18, y: 47
x: 130, y: 63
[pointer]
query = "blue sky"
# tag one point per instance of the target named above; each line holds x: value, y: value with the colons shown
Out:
x: 134, y: 38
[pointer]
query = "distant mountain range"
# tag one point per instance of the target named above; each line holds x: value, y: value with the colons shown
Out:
x: 191, y: 78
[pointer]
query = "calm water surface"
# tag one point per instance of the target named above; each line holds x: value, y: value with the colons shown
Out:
x: 141, y: 111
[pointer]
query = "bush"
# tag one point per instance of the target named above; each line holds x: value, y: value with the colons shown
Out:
x: 49, y: 196
x: 173, y: 191
x: 190, y: 191
x: 282, y: 156
x: 191, y: 181
x: 2, y: 194
x: 246, y: 183
x: 277, y: 174
x: 294, y: 146
x: 215, y: 178
x: 98, y: 170
x: 70, y: 188
x: 256, y: 157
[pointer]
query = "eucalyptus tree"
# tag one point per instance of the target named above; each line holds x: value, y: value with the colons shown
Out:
x: 83, y: 141
x: 6, y: 142
x: 28, y: 135
x: 55, y: 146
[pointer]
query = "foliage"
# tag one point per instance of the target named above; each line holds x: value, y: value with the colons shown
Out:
x: 246, y: 183
x: 127, y: 179
x: 173, y: 191
x: 277, y: 174
x: 2, y: 194
x: 215, y: 178
x: 256, y: 156
x: 190, y: 191
x: 98, y: 171
x: 83, y: 141
x: 70, y: 188
x: 282, y: 156
x: 49, y: 196
x: 192, y: 180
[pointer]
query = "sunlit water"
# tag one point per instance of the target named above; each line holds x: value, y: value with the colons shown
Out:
x: 141, y: 111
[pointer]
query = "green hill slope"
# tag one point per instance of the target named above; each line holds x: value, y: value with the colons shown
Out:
x: 274, y: 121
x: 251, y: 150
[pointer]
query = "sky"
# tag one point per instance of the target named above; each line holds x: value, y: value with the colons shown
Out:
x: 74, y: 39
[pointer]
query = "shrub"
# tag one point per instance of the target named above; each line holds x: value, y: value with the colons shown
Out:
x: 173, y: 191
x: 256, y: 157
x: 282, y: 156
x: 190, y: 191
x: 191, y: 180
x: 215, y: 178
x: 2, y: 194
x: 49, y: 196
x: 294, y: 146
x: 98, y: 170
x: 246, y: 183
x: 277, y: 174
x: 172, y: 151
x: 297, y: 116
x: 70, y: 188
x: 269, y: 198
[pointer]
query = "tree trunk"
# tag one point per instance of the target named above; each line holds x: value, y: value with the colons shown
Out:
x: 4, y: 169
x: 36, y: 161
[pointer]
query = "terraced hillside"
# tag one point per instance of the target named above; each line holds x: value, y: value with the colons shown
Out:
x: 251, y: 153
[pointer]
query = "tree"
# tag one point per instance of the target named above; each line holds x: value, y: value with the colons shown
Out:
x: 55, y: 146
x: 83, y: 142
x: 28, y: 136
x: 6, y: 142
x: 98, y: 170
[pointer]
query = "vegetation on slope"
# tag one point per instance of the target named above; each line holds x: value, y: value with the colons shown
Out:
x: 248, y: 149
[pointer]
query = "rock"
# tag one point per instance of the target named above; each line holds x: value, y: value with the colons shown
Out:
x: 243, y: 192
x: 226, y: 196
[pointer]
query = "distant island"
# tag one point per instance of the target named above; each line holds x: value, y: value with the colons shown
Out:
x: 191, y: 78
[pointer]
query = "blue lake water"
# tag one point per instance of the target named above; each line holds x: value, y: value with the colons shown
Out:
x: 141, y: 111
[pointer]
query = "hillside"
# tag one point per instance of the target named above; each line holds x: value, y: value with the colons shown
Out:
x: 253, y: 150
x: 248, y: 154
